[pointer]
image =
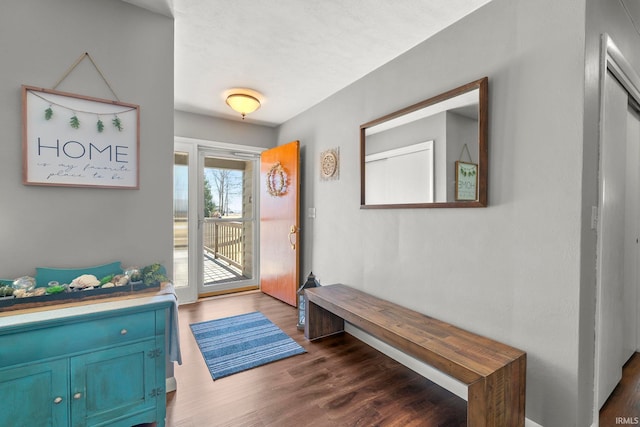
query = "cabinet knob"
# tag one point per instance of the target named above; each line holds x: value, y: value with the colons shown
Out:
x: 57, y: 400
x: 77, y: 396
x: 123, y: 332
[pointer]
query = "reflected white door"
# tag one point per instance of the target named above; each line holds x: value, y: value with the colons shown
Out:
x: 401, y: 175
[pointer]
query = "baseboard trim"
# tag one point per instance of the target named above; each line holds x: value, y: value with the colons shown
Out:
x: 171, y: 384
x: 445, y: 381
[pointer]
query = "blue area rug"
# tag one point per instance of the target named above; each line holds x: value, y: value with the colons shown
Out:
x: 238, y: 343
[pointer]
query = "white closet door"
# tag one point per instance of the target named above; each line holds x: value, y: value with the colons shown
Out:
x: 632, y: 259
x: 611, y: 239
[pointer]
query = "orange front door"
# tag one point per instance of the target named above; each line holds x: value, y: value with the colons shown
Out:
x: 279, y: 226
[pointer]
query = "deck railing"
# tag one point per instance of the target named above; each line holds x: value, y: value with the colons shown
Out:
x: 224, y: 240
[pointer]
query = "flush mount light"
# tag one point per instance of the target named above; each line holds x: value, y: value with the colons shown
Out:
x: 243, y: 103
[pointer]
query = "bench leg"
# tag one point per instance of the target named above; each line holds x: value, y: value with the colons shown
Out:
x: 320, y: 322
x: 499, y: 399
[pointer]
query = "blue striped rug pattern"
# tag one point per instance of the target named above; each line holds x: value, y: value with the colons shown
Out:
x: 242, y: 342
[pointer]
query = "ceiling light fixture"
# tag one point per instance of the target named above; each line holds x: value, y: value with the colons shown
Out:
x: 243, y: 103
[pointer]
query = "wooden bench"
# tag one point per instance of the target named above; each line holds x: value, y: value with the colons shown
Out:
x: 495, y: 373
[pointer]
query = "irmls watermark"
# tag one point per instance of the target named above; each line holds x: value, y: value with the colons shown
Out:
x: 627, y: 420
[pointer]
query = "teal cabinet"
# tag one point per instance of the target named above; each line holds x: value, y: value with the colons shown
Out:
x: 96, y: 368
x: 34, y: 395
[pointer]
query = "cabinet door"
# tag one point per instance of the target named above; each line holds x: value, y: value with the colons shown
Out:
x: 35, y: 395
x: 116, y: 386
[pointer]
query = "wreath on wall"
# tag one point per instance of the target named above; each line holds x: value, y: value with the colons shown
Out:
x: 277, y: 180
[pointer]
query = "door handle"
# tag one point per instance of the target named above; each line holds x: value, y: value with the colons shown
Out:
x: 292, y: 231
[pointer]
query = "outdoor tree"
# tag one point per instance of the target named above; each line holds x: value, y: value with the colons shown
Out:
x: 226, y: 183
x: 209, y: 206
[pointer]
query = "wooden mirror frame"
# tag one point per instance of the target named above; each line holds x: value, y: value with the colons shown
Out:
x: 483, y: 153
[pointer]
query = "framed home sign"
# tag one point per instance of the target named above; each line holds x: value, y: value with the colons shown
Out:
x: 466, y: 181
x: 78, y: 141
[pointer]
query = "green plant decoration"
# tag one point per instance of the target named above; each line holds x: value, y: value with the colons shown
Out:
x: 55, y: 289
x: 467, y: 172
x: 74, y: 122
x: 152, y: 274
x: 48, y: 113
x: 106, y: 279
x: 100, y: 126
x: 117, y: 123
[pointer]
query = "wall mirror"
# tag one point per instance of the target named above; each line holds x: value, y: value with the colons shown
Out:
x: 428, y: 155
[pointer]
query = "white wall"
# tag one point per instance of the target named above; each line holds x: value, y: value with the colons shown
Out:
x: 510, y: 271
x: 75, y: 227
x: 197, y: 126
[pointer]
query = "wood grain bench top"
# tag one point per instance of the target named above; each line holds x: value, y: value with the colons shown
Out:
x: 463, y: 355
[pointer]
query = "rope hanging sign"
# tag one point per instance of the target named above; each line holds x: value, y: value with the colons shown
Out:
x: 465, y: 148
x: 79, y: 141
x: 75, y: 64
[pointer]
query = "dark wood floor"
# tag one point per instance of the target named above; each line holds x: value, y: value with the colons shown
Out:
x: 623, y: 406
x: 340, y: 381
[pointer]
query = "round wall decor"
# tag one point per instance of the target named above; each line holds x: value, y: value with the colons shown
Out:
x: 330, y: 164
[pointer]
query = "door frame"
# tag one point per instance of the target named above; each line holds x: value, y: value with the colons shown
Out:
x: 195, y: 147
x: 611, y: 60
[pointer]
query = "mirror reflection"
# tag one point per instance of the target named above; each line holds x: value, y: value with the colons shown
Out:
x: 431, y: 154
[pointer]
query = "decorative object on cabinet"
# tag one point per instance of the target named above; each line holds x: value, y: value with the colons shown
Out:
x: 154, y: 274
x: 408, y: 158
x: 6, y: 291
x: 330, y: 164
x: 88, y: 365
x: 76, y: 284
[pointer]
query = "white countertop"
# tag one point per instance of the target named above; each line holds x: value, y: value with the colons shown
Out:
x: 96, y: 306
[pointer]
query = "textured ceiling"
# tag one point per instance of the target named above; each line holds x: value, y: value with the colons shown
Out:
x: 295, y: 53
